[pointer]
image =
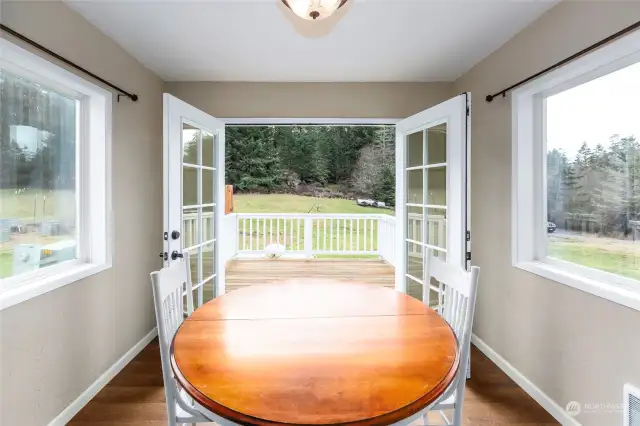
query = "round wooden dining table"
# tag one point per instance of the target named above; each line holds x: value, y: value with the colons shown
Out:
x: 314, y: 354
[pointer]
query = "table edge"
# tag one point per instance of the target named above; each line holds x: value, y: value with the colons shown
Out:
x: 387, y: 418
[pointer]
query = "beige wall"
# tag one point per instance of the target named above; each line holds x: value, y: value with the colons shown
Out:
x: 54, y: 346
x: 317, y: 100
x: 572, y: 345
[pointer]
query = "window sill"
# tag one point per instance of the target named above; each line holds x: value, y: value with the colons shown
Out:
x: 612, y: 292
x: 48, y: 283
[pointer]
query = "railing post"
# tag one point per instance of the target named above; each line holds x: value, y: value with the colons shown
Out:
x: 381, y: 237
x: 236, y: 233
x: 308, y: 237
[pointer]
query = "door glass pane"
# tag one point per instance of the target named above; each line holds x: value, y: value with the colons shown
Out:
x: 437, y: 186
x: 415, y: 263
x: 208, y: 186
x: 208, y: 261
x: 208, y: 223
x: 437, y: 228
x: 415, y: 223
x: 190, y: 138
x: 434, y: 291
x: 190, y: 227
x: 208, y: 291
x: 415, y: 187
x: 414, y: 288
x: 208, y: 151
x: 437, y: 144
x: 189, y: 186
x: 415, y: 143
x: 196, y: 295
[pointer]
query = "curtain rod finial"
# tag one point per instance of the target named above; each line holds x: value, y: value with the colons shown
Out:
x: 133, y: 97
x: 489, y: 98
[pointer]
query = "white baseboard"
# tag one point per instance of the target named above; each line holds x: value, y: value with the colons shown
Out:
x: 534, y: 392
x: 67, y: 414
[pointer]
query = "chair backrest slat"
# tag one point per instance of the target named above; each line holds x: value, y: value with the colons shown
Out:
x: 456, y: 290
x: 171, y: 285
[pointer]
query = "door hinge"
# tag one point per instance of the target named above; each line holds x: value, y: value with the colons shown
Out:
x: 468, y: 235
x: 468, y: 110
x: 468, y: 255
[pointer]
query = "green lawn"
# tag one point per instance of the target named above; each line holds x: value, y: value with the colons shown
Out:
x: 286, y: 203
x: 6, y: 264
x: 605, y: 254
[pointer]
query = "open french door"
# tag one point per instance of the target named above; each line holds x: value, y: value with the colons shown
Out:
x: 432, y: 192
x: 193, y: 189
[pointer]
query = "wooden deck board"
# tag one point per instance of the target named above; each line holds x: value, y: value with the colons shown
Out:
x: 245, y: 272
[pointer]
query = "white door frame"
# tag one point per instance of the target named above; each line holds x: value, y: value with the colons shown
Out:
x: 455, y: 112
x: 177, y: 112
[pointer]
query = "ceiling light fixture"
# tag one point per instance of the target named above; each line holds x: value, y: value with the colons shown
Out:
x: 313, y: 10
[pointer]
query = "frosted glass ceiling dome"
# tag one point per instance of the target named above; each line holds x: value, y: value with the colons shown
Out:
x: 313, y: 10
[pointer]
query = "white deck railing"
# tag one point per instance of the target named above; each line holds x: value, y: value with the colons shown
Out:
x: 314, y: 234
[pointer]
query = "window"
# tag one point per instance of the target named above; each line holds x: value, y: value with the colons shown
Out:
x: 576, y: 171
x: 54, y: 156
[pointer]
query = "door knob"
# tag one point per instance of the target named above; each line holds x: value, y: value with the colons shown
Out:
x: 175, y: 255
x: 175, y: 235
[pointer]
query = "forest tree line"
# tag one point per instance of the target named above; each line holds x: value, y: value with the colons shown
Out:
x: 360, y: 159
x: 599, y: 188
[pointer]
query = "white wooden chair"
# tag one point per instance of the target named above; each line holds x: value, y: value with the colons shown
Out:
x: 170, y: 286
x: 456, y: 291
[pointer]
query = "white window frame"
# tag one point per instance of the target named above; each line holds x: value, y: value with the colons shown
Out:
x: 529, y: 204
x: 93, y: 177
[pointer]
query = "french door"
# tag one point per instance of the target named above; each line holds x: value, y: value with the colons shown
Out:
x: 193, y: 194
x: 432, y: 149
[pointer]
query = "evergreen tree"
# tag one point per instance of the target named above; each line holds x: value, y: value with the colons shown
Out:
x: 301, y: 153
x: 252, y: 160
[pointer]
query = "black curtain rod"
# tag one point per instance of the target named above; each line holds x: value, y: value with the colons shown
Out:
x: 594, y: 46
x: 38, y: 46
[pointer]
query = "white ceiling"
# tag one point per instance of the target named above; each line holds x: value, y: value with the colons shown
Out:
x: 260, y: 40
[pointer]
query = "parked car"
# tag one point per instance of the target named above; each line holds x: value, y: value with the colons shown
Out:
x: 551, y: 227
